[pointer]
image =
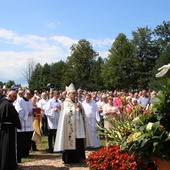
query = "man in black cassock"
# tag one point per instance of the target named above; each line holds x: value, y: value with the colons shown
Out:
x: 9, y: 121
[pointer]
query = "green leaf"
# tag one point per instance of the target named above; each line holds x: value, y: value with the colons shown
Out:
x: 155, y: 126
x: 144, y: 142
x: 143, y: 136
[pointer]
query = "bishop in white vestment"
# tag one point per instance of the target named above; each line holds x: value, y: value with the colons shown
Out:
x: 73, y: 133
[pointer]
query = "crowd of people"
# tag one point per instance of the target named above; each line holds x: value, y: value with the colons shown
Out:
x: 69, y: 118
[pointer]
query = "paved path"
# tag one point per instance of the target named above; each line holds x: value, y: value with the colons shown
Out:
x: 45, y: 161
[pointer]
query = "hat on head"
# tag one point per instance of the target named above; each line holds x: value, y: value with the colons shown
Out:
x: 70, y: 88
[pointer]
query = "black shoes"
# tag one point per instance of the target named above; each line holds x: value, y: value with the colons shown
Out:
x: 50, y: 150
x: 34, y: 149
x: 71, y: 162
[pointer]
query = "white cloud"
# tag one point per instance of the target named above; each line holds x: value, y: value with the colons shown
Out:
x: 7, y: 34
x: 65, y: 41
x: 101, y: 43
x: 18, y: 49
x: 28, y: 39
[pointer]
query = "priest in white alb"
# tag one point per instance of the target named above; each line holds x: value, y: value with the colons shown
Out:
x: 73, y: 134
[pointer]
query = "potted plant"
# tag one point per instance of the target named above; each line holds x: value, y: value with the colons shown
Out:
x: 147, y: 136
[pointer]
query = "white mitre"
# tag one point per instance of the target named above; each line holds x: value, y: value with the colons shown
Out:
x: 163, y: 70
x: 70, y: 88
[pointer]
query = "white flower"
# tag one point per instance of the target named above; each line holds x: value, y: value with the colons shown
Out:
x: 164, y: 69
x: 149, y: 126
x: 168, y: 138
x: 136, y: 119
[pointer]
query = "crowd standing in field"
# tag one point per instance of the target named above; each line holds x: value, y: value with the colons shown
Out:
x: 69, y: 118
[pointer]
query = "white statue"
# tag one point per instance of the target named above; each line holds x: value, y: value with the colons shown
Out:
x: 163, y: 70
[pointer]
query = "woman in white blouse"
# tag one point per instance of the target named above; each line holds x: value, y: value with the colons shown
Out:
x: 110, y: 112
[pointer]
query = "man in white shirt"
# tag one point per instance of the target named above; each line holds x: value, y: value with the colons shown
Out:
x: 144, y: 100
x: 24, y: 108
x: 52, y: 112
x: 42, y: 104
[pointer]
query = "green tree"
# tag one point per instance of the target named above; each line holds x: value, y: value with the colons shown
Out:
x: 80, y: 63
x: 46, y: 75
x: 1, y: 84
x: 118, y: 69
x: 9, y: 83
x: 57, y: 71
x: 164, y: 59
x: 146, y: 55
x: 162, y: 41
x: 36, y: 78
x: 67, y: 75
x: 95, y: 79
x: 162, y: 35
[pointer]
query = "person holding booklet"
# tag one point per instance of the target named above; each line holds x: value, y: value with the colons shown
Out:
x: 36, y: 137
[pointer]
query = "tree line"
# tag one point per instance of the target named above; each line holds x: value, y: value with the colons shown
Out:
x: 131, y: 63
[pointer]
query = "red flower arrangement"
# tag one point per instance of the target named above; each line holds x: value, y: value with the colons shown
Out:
x: 112, y: 158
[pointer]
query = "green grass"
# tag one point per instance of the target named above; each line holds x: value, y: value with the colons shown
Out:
x: 41, y: 146
x: 102, y: 142
x: 29, y: 159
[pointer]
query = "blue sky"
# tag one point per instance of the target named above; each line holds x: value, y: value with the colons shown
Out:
x: 44, y: 30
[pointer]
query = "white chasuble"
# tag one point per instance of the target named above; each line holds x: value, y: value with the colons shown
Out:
x: 70, y: 127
